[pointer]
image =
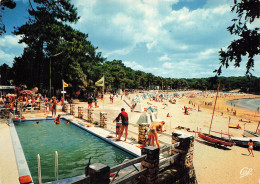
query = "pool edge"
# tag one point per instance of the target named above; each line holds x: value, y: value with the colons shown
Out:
x: 20, y: 159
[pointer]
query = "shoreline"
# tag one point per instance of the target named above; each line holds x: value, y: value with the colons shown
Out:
x: 221, y: 107
x: 244, y: 107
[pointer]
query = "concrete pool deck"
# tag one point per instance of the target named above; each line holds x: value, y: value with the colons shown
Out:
x: 8, y: 168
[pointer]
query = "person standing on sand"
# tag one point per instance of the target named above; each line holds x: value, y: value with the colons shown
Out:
x: 250, y: 147
x: 124, y: 117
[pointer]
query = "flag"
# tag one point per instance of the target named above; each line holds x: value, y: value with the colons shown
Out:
x: 65, y: 84
x: 100, y: 82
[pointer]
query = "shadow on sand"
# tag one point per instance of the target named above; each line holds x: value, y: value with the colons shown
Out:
x: 244, y: 154
x: 212, y: 145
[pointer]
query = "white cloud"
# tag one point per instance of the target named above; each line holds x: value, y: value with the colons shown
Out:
x: 133, y: 65
x: 6, y: 58
x: 10, y: 41
x: 167, y: 65
x: 9, y: 48
x: 165, y: 57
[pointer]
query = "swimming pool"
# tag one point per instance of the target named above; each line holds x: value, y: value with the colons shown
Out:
x: 74, y: 145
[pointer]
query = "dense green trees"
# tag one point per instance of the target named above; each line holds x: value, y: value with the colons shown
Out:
x: 55, y: 51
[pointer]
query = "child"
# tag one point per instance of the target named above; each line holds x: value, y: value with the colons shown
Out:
x: 250, y: 147
x: 118, y: 125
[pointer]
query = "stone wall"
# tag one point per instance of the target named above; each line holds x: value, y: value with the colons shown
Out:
x: 103, y: 120
x: 182, y: 171
x: 142, y: 129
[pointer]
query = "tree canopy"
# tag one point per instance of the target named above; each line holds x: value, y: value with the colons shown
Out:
x: 54, y: 49
x: 5, y: 4
x: 247, y: 30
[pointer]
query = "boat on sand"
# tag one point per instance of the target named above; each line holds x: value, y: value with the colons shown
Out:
x: 217, y: 141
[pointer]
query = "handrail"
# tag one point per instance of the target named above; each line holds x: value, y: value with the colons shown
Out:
x: 171, y: 158
x: 56, y: 167
x: 167, y: 148
x: 85, y: 179
x: 39, y: 169
x: 128, y: 163
x: 130, y: 177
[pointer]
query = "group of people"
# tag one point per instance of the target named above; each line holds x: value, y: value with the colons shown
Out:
x: 121, y: 126
x: 30, y: 101
x: 152, y: 134
x: 90, y: 101
x: 26, y: 100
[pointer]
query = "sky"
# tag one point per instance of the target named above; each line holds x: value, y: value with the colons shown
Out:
x: 168, y: 38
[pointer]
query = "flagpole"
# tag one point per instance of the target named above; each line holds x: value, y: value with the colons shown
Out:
x: 103, y: 90
x: 63, y: 88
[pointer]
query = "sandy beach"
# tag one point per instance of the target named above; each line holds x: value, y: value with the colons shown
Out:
x: 212, y: 165
x: 215, y: 165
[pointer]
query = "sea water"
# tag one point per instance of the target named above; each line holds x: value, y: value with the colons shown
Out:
x: 247, y: 103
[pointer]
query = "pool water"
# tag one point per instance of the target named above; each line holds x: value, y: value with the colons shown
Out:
x: 74, y: 145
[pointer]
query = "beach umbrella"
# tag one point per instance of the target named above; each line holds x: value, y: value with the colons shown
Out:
x: 27, y: 92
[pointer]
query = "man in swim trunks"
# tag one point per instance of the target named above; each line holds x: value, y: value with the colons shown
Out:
x: 124, y: 117
x: 154, y: 129
x: 54, y: 107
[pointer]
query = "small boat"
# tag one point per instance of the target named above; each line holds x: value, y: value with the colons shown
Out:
x: 217, y: 141
x: 248, y: 133
x: 243, y: 141
x: 235, y: 126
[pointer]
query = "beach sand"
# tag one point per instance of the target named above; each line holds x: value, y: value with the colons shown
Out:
x: 212, y: 165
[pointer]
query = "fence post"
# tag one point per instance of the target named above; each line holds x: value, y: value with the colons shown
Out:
x: 72, y: 109
x: 90, y: 115
x: 42, y: 106
x: 151, y: 163
x: 99, y: 173
x: 142, y: 129
x: 103, y: 120
x: 185, y: 161
x: 80, y: 112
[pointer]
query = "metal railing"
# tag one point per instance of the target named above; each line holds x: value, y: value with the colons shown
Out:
x: 56, y: 169
x: 128, y: 176
x: 169, y: 160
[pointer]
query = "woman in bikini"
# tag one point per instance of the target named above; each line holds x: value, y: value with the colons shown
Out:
x: 154, y: 130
